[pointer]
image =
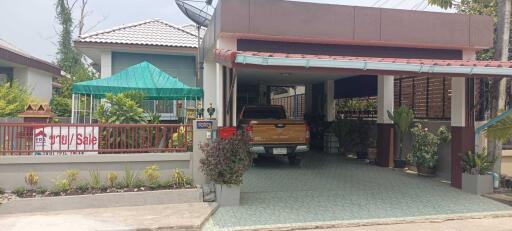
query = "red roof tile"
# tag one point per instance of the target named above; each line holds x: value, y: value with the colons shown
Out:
x: 227, y: 57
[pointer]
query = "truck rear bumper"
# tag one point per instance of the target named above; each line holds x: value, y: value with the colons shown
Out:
x: 268, y: 149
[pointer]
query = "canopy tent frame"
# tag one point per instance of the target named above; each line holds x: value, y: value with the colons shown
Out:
x: 155, y: 84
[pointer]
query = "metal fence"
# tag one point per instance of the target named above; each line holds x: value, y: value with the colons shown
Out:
x: 293, y: 105
x: 65, y: 139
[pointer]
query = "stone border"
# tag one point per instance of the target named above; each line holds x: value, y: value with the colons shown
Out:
x: 104, y: 200
x: 374, y: 222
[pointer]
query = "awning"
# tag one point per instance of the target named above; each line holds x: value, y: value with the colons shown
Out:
x: 366, y: 65
x: 143, y: 77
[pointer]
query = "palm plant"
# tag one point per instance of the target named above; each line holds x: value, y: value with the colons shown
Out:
x: 477, y: 163
x: 502, y: 130
x: 402, y: 118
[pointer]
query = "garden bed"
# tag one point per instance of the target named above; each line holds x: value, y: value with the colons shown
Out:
x: 100, y: 199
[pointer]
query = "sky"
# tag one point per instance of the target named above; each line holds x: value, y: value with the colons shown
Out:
x: 30, y: 25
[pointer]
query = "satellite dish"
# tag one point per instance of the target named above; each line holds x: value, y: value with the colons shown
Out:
x: 199, y: 16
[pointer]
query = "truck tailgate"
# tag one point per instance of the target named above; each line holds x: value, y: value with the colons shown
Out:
x: 279, y: 132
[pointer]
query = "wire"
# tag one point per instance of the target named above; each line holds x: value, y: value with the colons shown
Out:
x: 375, y: 3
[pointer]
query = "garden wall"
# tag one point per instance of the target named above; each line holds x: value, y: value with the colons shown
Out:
x: 49, y: 168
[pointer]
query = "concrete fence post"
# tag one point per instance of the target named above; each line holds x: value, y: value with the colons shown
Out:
x: 204, y: 131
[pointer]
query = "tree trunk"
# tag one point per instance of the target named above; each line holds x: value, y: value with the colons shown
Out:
x: 498, y: 86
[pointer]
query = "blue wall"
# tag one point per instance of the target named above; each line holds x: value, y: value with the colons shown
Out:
x: 181, y: 67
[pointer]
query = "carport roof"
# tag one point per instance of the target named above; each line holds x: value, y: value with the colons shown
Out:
x: 370, y: 65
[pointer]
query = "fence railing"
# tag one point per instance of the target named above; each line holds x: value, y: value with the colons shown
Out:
x: 65, y: 139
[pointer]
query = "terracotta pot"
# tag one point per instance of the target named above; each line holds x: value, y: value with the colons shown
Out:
x: 425, y: 171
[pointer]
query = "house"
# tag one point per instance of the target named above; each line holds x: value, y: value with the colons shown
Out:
x: 166, y: 46
x: 33, y: 73
x: 338, y: 51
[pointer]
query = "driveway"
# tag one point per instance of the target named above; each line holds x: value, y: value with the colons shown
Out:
x: 330, y: 188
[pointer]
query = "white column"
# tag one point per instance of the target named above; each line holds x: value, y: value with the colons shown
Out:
x: 209, y: 85
x: 385, y: 98
x: 106, y: 64
x: 219, y: 96
x: 458, y: 102
x: 330, y: 106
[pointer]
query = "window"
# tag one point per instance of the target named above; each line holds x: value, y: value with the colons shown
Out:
x: 166, y: 108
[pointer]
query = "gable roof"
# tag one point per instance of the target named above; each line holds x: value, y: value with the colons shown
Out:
x: 12, y: 54
x: 150, y: 32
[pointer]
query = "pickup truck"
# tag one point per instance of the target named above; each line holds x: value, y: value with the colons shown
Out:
x: 271, y: 133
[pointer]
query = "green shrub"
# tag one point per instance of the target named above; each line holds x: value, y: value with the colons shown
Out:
x: 41, y: 190
x: 226, y: 160
x: 72, y: 176
x: 83, y: 186
x: 122, y: 108
x: 179, y: 180
x: 95, y: 179
x: 138, y: 183
x: 425, y: 147
x: 13, y: 99
x: 2, y: 190
x: 19, y: 191
x: 31, y: 179
x: 152, y: 174
x: 112, y: 179
x: 402, y: 118
x: 478, y: 163
x: 129, y: 177
x: 61, y: 186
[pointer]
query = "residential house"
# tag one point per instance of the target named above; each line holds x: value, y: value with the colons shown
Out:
x: 33, y: 73
x: 166, y: 46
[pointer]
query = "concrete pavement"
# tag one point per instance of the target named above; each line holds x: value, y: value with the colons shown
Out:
x: 189, y: 216
x: 494, y: 224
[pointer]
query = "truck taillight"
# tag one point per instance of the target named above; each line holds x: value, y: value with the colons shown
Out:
x: 307, y: 137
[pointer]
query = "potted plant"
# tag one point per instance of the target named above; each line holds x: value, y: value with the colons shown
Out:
x: 225, y: 162
x: 425, y: 148
x: 474, y: 177
x: 402, y: 118
x: 362, y: 137
x: 342, y: 129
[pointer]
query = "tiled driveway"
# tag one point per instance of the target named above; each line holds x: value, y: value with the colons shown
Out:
x: 330, y: 188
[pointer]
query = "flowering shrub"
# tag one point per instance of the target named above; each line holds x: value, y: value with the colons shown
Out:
x: 226, y: 160
x: 425, y: 148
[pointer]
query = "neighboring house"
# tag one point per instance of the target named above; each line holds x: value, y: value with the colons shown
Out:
x: 33, y: 73
x: 168, y: 47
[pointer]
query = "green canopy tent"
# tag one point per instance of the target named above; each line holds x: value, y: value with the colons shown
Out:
x: 143, y: 77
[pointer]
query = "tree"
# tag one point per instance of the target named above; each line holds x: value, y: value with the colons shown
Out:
x: 501, y: 53
x: 68, y: 58
x: 13, y: 99
x: 123, y: 108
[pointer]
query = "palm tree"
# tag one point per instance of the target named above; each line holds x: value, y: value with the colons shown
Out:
x: 497, y: 86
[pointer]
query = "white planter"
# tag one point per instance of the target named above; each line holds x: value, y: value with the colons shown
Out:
x: 227, y: 195
x: 477, y: 184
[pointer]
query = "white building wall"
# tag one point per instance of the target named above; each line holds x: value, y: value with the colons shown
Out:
x: 39, y: 83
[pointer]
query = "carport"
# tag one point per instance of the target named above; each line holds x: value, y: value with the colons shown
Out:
x: 285, y: 42
x: 269, y: 68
